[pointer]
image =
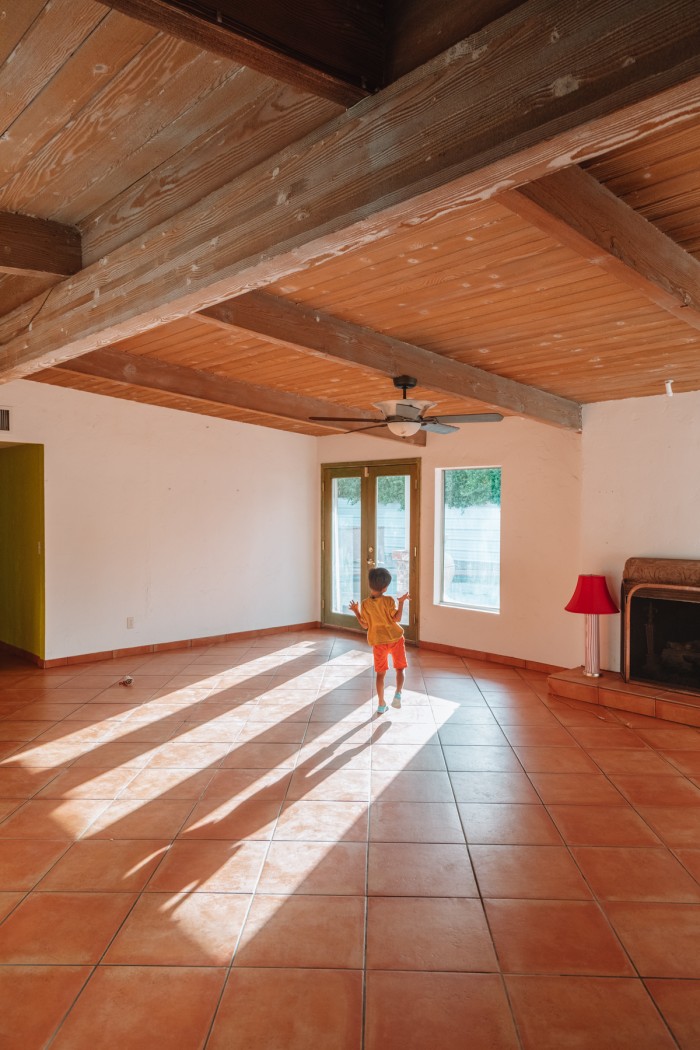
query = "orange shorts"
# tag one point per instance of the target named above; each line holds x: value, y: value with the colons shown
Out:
x: 397, y: 651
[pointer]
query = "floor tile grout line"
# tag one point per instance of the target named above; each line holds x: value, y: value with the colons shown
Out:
x: 250, y: 903
x: 96, y: 965
x: 567, y: 846
x: 595, y: 899
x: 643, y: 981
x: 69, y: 1009
x: 160, y: 743
x: 137, y: 897
x: 363, y: 1014
x: 494, y: 946
x: 633, y: 806
x: 253, y: 895
x: 363, y: 1017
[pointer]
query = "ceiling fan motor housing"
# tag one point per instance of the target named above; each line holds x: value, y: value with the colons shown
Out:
x: 405, y: 383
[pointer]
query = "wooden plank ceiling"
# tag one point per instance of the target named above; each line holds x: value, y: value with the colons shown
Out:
x: 216, y: 209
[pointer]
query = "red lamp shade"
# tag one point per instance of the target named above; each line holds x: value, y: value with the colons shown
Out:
x: 591, y: 596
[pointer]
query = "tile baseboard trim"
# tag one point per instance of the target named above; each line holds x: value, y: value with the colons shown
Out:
x: 466, y: 654
x: 156, y: 647
x: 236, y: 636
x: 491, y: 658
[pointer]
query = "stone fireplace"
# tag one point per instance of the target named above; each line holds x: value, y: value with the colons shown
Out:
x: 661, y: 623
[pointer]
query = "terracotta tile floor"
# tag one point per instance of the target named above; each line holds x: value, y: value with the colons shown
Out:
x: 235, y: 852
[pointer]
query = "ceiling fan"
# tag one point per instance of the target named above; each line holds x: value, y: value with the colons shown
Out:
x: 406, y: 417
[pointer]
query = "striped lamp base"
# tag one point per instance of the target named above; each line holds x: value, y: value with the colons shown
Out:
x: 592, y: 661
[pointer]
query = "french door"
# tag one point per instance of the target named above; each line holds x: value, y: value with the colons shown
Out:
x: 370, y: 517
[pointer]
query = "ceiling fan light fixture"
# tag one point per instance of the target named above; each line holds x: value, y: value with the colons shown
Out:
x: 403, y: 428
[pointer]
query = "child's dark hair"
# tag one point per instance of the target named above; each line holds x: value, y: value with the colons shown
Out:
x: 379, y: 578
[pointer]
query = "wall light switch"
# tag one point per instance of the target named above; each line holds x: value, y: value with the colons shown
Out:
x: 129, y: 622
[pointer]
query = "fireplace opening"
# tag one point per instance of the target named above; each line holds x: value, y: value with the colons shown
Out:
x: 664, y: 640
x: 661, y: 623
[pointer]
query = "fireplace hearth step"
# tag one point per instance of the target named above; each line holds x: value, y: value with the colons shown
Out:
x: 610, y: 690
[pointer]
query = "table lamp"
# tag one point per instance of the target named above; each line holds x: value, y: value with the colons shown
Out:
x: 592, y: 598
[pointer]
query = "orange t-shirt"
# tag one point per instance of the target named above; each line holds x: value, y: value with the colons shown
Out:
x: 378, y: 614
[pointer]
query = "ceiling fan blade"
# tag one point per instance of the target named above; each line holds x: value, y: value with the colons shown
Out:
x: 360, y: 430
x: 345, y: 419
x: 474, y: 417
x: 436, y: 426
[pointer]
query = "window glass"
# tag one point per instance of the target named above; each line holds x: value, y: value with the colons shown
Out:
x: 471, y: 537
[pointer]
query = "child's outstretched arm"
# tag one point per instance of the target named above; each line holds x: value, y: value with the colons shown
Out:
x: 354, y: 607
x: 399, y: 610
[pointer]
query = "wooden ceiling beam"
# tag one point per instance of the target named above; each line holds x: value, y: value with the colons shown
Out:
x: 149, y: 373
x: 332, y: 50
x: 321, y: 335
x: 416, y: 31
x: 32, y: 247
x: 508, y: 105
x: 576, y: 210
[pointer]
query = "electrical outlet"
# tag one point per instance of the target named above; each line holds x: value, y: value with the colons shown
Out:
x: 129, y: 622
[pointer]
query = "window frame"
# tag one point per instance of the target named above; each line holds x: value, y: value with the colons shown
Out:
x: 439, y: 575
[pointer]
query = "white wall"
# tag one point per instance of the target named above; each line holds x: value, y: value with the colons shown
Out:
x: 641, y: 490
x: 540, y: 537
x: 198, y: 526
x: 192, y: 525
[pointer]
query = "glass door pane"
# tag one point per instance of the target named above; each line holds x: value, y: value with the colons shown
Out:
x: 346, y: 519
x: 343, y: 566
x: 393, y: 532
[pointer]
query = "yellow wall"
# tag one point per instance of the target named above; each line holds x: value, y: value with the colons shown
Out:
x: 22, y: 547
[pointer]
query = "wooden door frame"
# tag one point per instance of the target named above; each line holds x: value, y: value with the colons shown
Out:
x: 411, y: 467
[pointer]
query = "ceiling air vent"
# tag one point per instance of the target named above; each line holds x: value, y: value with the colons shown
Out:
x: 4, y: 419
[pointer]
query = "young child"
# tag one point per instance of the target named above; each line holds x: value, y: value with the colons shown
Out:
x: 380, y: 616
